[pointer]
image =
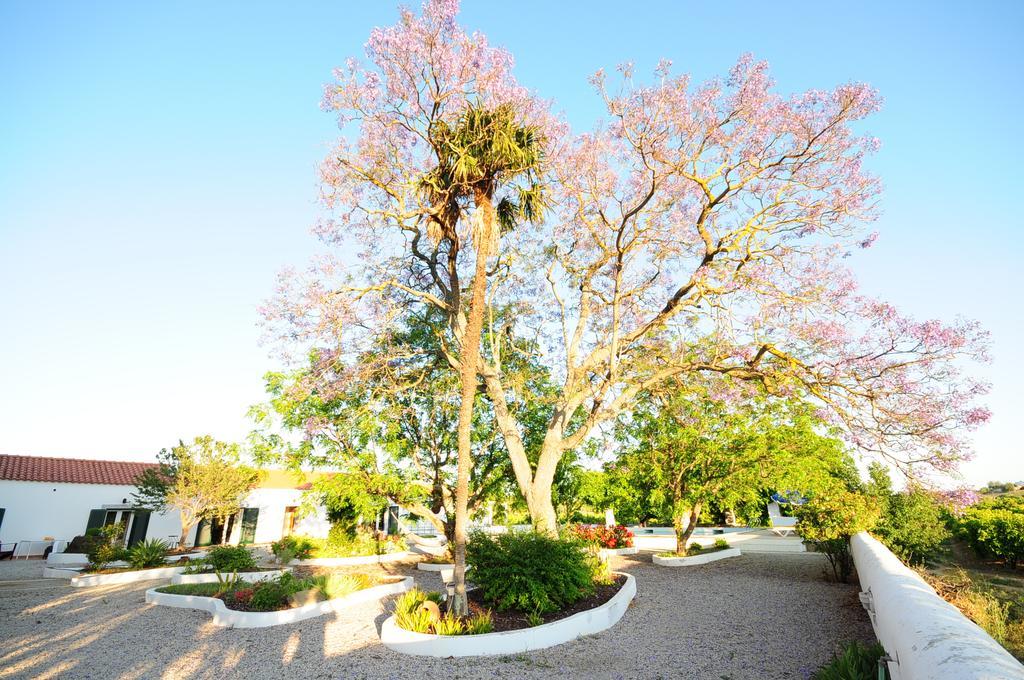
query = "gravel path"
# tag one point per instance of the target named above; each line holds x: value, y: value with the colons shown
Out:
x: 756, y: 616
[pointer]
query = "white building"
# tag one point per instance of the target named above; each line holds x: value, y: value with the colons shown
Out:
x: 45, y: 502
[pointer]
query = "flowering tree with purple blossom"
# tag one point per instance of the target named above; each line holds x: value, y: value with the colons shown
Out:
x: 700, y: 230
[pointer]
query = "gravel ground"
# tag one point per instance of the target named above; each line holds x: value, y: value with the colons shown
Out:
x: 756, y: 616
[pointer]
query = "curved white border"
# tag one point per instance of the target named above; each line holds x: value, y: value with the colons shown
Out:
x: 693, y: 560
x: 430, y: 566
x: 512, y: 641
x: 620, y: 551
x: 232, y: 618
x: 251, y: 576
x: 342, y: 561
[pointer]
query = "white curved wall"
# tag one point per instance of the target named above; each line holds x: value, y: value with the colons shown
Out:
x: 928, y: 638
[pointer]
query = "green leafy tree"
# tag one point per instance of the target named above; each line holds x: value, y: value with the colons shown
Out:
x: 828, y: 521
x: 912, y: 522
x: 688, y: 450
x: 201, y: 480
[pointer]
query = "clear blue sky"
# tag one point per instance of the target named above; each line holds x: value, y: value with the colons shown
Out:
x: 157, y: 168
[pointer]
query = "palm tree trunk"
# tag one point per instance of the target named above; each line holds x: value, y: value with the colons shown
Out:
x: 468, y: 359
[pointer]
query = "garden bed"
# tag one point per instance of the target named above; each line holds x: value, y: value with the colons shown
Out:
x: 703, y: 557
x: 591, y: 615
x: 238, y: 618
x: 214, y: 577
x: 80, y: 579
x: 356, y: 560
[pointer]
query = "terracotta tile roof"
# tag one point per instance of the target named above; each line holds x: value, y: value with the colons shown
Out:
x: 70, y: 470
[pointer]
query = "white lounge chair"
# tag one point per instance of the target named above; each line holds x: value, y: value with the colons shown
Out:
x: 781, y: 526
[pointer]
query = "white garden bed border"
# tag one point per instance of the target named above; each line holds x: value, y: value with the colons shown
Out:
x: 693, y: 560
x: 80, y: 580
x: 343, y: 561
x: 620, y: 551
x: 430, y: 566
x: 231, y: 618
x: 512, y: 641
x: 212, y: 577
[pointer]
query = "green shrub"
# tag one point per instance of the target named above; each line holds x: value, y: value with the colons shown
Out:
x: 149, y: 553
x: 721, y: 544
x: 409, y: 614
x: 479, y: 624
x: 230, y: 558
x: 297, y: 547
x: 196, y: 566
x: 912, y: 526
x: 530, y: 571
x: 449, y: 625
x: 995, y: 529
x: 694, y: 549
x: 827, y: 521
x: 268, y: 596
x: 334, y: 586
x: 108, y: 548
x: 855, y: 662
x: 342, y: 542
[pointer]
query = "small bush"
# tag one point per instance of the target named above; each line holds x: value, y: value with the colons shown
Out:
x: 230, y: 558
x: 334, y: 586
x: 530, y: 571
x: 243, y: 596
x: 694, y: 549
x: 721, y: 544
x: 196, y: 566
x: 294, y: 547
x: 855, y: 662
x: 449, y: 625
x: 603, y: 536
x: 828, y: 521
x: 409, y: 613
x: 480, y: 624
x: 108, y: 548
x: 147, y: 554
x: 268, y: 596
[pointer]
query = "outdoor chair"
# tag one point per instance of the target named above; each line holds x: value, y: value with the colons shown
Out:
x: 781, y: 526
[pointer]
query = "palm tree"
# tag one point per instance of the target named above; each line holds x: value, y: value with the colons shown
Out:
x: 485, y: 150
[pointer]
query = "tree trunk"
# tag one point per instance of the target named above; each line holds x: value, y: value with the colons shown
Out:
x: 683, y: 533
x: 468, y: 358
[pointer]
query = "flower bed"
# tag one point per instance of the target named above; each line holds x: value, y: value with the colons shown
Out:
x: 234, y: 617
x: 702, y: 557
x: 558, y: 628
x: 606, y: 538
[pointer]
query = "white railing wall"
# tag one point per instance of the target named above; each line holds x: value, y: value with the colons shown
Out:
x: 926, y: 637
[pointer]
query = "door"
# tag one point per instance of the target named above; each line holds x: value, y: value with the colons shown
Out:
x: 140, y: 525
x: 249, y: 518
x: 290, y: 514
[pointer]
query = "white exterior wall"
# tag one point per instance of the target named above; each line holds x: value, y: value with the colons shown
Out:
x: 37, y: 509
x: 270, y: 522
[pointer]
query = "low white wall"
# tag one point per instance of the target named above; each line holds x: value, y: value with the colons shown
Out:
x: 928, y: 638
x: 233, y: 618
x: 546, y: 635
x: 343, y: 561
x: 693, y: 560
